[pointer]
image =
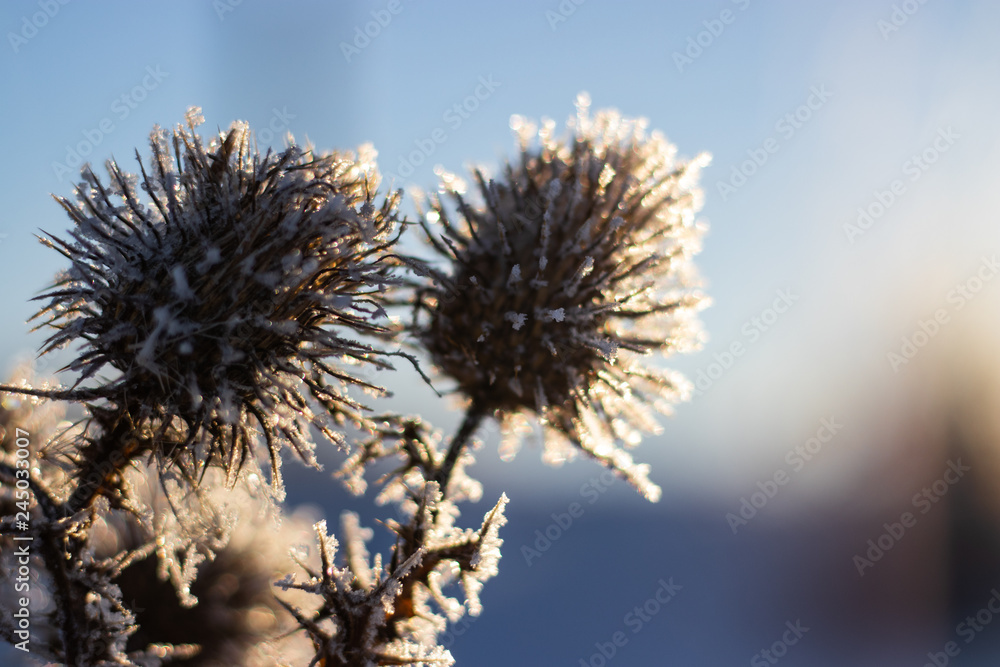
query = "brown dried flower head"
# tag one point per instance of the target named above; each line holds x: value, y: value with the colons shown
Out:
x: 575, y: 264
x: 221, y: 299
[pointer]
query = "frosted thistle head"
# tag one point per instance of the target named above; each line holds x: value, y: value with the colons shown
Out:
x: 212, y: 298
x: 575, y: 264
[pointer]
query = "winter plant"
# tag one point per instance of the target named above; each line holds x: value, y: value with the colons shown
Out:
x: 223, y: 309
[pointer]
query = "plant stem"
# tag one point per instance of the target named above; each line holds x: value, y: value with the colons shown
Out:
x: 56, y: 394
x: 473, y: 418
x: 103, y: 460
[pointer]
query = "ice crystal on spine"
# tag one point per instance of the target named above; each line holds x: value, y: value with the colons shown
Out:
x: 217, y: 292
x: 601, y: 226
x: 350, y: 626
x: 372, y: 615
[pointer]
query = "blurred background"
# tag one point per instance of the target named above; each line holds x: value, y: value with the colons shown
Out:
x: 830, y: 492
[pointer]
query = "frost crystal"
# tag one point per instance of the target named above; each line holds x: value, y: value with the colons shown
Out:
x: 393, y: 615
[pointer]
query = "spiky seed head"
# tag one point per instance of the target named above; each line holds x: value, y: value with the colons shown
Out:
x: 575, y: 263
x: 220, y: 289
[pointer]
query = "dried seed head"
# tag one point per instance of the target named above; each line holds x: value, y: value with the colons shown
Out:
x: 208, y: 585
x: 576, y: 261
x: 218, y: 299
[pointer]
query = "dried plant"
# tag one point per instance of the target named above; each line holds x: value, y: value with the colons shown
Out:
x: 222, y: 307
x: 222, y: 302
x: 576, y: 261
